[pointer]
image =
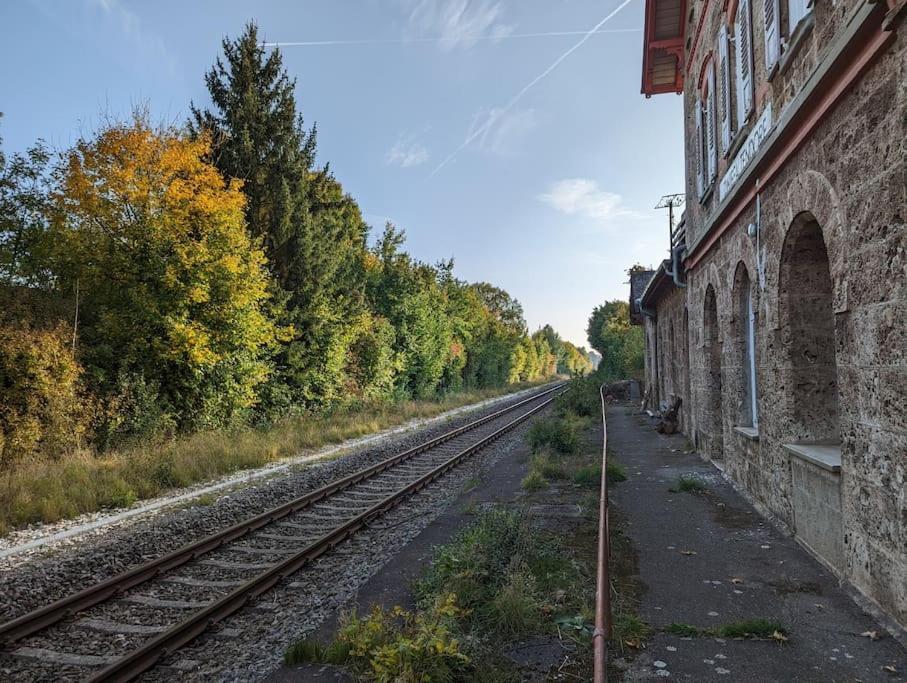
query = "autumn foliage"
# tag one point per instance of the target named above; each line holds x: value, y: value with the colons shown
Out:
x: 211, y: 276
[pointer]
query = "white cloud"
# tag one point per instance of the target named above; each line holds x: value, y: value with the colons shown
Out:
x: 583, y: 197
x: 501, y: 131
x: 457, y: 23
x: 407, y: 153
x: 130, y: 27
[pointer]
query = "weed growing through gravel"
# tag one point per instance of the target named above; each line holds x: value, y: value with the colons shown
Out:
x: 687, y: 483
x: 748, y: 628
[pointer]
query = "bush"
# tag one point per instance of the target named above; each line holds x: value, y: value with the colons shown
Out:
x: 397, y: 645
x: 582, y: 398
x: 559, y: 434
x: 534, y: 481
x: 43, y: 413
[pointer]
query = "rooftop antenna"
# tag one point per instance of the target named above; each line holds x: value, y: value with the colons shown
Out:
x: 669, y: 201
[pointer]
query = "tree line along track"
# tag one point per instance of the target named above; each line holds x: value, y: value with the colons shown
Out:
x: 222, y: 572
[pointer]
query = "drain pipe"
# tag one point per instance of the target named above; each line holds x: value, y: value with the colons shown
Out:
x: 676, y: 258
x: 648, y: 312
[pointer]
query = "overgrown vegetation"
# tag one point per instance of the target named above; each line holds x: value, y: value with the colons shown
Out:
x: 160, y: 282
x: 497, y: 581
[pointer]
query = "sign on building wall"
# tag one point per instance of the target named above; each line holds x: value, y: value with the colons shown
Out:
x: 747, y: 151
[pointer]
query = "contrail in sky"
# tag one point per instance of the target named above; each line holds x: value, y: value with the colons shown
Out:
x: 401, y: 41
x: 516, y: 98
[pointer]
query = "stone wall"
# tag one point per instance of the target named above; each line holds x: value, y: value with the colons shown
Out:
x: 667, y: 353
x: 830, y: 296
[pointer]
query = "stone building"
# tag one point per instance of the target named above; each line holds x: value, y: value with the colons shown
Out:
x: 781, y: 318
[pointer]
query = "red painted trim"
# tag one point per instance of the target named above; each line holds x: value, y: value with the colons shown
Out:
x: 705, y: 11
x: 732, y: 12
x: 703, y: 69
x: 827, y: 94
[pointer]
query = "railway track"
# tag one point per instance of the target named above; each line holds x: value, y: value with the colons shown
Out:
x: 124, y: 626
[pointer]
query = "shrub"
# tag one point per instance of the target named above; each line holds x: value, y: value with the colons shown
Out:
x: 589, y: 476
x: 559, y: 434
x: 534, y: 481
x: 581, y: 398
x: 43, y: 413
x: 544, y: 465
x: 397, y: 645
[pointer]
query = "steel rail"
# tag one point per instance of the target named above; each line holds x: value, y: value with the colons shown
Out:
x: 46, y: 616
x: 147, y: 655
x: 602, y: 633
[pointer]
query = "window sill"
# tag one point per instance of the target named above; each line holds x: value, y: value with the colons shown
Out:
x: 825, y: 455
x: 793, y: 46
x: 748, y: 433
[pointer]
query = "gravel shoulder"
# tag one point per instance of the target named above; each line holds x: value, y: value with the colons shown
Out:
x: 40, y: 575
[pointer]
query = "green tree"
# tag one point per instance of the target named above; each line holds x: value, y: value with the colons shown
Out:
x: 313, y: 233
x: 620, y: 344
x: 409, y: 295
x: 24, y: 193
x: 173, y: 292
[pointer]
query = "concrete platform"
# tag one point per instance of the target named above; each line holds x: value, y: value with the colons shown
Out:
x: 710, y: 559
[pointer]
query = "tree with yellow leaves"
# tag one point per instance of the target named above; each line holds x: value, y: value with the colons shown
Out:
x: 172, y: 291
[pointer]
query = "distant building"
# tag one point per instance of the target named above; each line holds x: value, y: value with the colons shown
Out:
x: 781, y: 319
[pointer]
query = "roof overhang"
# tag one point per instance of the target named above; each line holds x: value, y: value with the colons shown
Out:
x: 662, y: 57
x: 660, y: 284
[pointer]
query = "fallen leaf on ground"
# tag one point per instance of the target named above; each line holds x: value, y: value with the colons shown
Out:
x: 872, y: 635
x: 736, y: 580
x: 890, y: 669
x: 780, y: 637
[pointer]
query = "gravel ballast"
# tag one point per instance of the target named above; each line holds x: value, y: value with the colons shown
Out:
x: 275, y: 620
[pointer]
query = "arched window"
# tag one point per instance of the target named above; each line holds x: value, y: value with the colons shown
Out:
x: 712, y: 420
x: 808, y: 333
x: 745, y: 332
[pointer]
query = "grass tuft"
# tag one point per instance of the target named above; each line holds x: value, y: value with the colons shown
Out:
x: 748, y: 628
x: 687, y: 483
x: 616, y: 472
x: 534, y: 481
x: 751, y: 628
x: 683, y: 630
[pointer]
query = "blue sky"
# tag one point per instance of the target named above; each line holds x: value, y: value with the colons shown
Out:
x: 423, y: 111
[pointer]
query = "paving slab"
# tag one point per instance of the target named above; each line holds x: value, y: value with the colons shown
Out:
x: 709, y: 559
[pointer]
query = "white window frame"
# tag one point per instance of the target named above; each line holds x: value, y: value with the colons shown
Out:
x: 728, y: 126
x: 771, y: 24
x: 743, y: 60
x: 700, y: 150
x: 711, y: 130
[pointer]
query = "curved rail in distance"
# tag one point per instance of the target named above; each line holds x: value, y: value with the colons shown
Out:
x: 46, y: 616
